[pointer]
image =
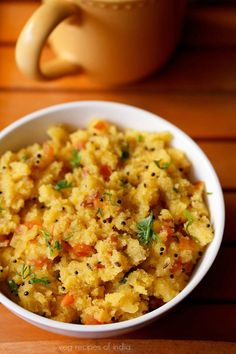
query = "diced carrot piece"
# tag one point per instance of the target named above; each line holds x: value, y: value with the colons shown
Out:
x: 67, y: 300
x: 67, y: 247
x: 48, y: 152
x: 82, y: 250
x: 90, y: 200
x: 79, y: 145
x: 40, y: 262
x: 105, y: 171
x: 100, y: 266
x: 90, y: 320
x: 101, y: 125
x: 187, y: 244
x: 177, y: 266
x: 188, y: 267
x: 199, y: 185
x: 30, y: 224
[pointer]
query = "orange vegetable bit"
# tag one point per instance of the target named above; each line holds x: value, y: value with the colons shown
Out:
x: 188, y: 267
x: 80, y: 144
x: 30, y: 224
x: 199, y: 185
x: 101, y: 125
x: 48, y: 153
x: 105, y: 171
x: 90, y: 320
x: 177, y: 266
x: 67, y: 300
x: 40, y: 262
x: 82, y: 250
x: 66, y: 246
x: 187, y: 244
x: 90, y: 200
x: 100, y: 266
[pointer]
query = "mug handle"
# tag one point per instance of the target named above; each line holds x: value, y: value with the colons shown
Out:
x: 33, y: 39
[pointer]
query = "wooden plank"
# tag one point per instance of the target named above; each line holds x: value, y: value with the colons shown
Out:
x: 205, y: 25
x: 210, y: 26
x: 189, y: 70
x: 220, y: 154
x: 208, y: 322
x: 201, y: 116
x: 222, y: 272
x: 103, y: 346
x: 13, y: 16
x: 230, y: 222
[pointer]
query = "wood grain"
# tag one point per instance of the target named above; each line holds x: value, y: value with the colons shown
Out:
x: 201, y: 116
x: 199, y: 71
x: 113, y: 346
x: 208, y: 322
x: 196, y: 91
x: 205, y: 26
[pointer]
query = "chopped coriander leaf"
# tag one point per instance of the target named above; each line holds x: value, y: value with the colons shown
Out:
x: 209, y: 193
x: 140, y: 138
x: 35, y: 280
x: 26, y: 271
x: 47, y: 236
x: 68, y: 237
x: 145, y: 230
x: 162, y: 166
x: 190, y: 220
x: 175, y: 190
x: 63, y: 184
x: 109, y: 195
x: 124, y: 154
x: 25, y: 158
x: 13, y: 286
x: 75, y: 159
x: 57, y: 245
x: 100, y: 211
x: 124, y: 279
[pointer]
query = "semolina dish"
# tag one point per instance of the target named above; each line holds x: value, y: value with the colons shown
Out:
x: 99, y: 225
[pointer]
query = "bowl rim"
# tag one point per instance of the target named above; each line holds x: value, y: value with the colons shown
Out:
x: 150, y: 316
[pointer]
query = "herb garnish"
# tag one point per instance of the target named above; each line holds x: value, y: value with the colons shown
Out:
x: 25, y: 158
x: 145, y: 230
x: 109, y: 195
x: 190, y: 220
x: 25, y: 271
x: 209, y: 193
x: 75, y: 159
x: 162, y: 166
x: 68, y: 237
x: 100, y: 211
x: 124, y: 279
x: 57, y: 245
x: 63, y: 184
x: 35, y: 280
x: 175, y: 189
x: 140, y: 138
x: 47, y: 236
x: 13, y: 286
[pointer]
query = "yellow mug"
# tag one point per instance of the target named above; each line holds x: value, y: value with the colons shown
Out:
x: 114, y: 41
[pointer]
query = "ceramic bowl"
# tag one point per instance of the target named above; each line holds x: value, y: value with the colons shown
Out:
x: 32, y: 128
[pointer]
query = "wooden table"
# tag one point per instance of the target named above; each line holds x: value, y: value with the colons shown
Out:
x: 197, y: 92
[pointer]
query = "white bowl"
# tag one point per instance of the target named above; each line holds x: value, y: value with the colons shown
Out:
x: 32, y: 128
